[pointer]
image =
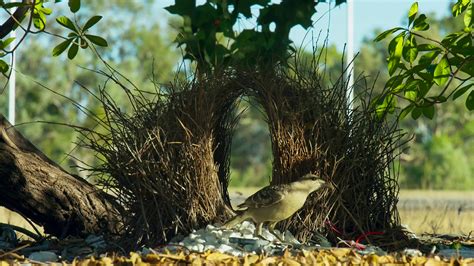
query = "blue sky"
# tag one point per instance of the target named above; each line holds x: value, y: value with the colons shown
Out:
x: 368, y: 16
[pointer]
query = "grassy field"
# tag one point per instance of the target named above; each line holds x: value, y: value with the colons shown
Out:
x: 422, y: 211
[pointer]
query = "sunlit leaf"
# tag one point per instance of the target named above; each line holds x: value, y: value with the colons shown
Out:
x: 420, y: 23
x: 468, y: 16
x: 412, y: 12
x: 442, y: 71
x: 386, y: 33
x: 6, y: 42
x: 3, y: 67
x: 394, y: 60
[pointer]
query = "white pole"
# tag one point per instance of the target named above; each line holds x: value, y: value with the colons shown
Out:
x: 11, y: 84
x: 350, y: 52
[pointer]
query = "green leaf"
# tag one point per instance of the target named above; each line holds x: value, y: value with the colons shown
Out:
x: 412, y: 13
x: 393, y: 64
x: 411, y: 95
x: 6, y: 42
x: 394, y: 59
x: 66, y: 22
x: 470, y: 101
x: 399, y: 46
x: 91, y: 22
x: 406, y: 111
x: 182, y: 7
x: 61, y: 47
x: 427, y: 58
x: 4, y: 67
x: 39, y: 21
x: 74, y: 5
x: 46, y: 11
x: 410, y: 51
x: 386, y: 33
x: 429, y: 111
x: 427, y: 47
x: 468, y: 16
x: 461, y: 91
x: 416, y: 113
x: 442, y: 71
x: 72, y: 51
x: 420, y: 23
x: 97, y: 40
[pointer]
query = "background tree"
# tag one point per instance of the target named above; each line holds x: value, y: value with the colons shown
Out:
x: 47, y: 86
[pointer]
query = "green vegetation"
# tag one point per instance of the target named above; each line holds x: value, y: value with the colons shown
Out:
x: 426, y: 70
x: 50, y: 88
x: 440, y: 152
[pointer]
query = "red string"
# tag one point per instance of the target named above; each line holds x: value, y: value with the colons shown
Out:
x: 364, y: 235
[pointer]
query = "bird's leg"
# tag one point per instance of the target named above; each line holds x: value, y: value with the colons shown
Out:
x: 258, y: 231
x: 271, y: 228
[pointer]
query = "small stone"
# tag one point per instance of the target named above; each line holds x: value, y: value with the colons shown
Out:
x: 225, y: 248
x: 235, y: 235
x: 412, y: 252
x: 246, y: 231
x: 210, y: 227
x: 290, y: 238
x: 209, y: 247
x: 200, y: 247
x: 249, y: 248
x: 43, y: 256
x: 200, y: 241
x: 210, y: 238
x: 268, y: 236
x: 217, y: 234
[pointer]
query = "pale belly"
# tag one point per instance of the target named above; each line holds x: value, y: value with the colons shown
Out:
x: 280, y: 211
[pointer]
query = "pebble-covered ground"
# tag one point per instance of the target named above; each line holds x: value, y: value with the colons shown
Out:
x: 215, y: 245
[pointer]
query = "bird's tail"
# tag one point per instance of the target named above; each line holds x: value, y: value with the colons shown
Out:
x: 240, y: 217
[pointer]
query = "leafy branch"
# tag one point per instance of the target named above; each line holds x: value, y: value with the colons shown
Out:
x: 422, y: 69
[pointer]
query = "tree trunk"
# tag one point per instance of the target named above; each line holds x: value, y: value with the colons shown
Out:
x: 38, y: 188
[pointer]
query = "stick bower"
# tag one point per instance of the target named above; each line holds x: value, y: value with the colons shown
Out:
x: 167, y: 159
x: 313, y: 129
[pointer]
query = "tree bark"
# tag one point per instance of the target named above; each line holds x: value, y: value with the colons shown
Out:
x: 39, y: 189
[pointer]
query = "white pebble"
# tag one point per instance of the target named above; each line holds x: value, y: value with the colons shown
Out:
x: 225, y: 248
x: 246, y: 231
x: 200, y: 247
x: 209, y: 247
x: 210, y: 227
x: 235, y: 234
x: 43, y: 256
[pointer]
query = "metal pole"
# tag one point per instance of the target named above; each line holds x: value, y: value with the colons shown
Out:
x: 11, y: 84
x: 350, y: 52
